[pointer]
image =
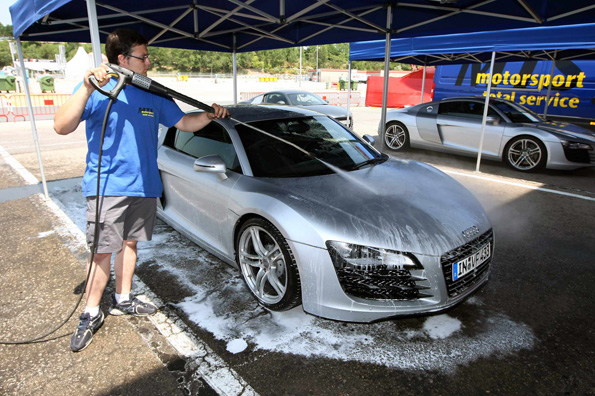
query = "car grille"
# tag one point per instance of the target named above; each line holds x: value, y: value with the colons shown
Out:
x: 580, y: 156
x: 447, y: 260
x: 381, y: 283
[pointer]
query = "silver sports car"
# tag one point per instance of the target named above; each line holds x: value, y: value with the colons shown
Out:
x: 312, y: 214
x: 513, y: 134
x: 297, y: 98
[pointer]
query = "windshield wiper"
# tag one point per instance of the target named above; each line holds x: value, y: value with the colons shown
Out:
x: 371, y: 161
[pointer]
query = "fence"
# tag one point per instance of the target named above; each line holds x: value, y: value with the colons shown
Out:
x: 14, y: 106
x: 335, y: 98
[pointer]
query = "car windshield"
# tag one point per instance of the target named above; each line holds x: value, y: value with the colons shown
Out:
x: 305, y: 99
x: 517, y: 113
x: 321, y: 136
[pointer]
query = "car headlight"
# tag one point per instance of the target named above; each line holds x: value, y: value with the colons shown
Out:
x: 575, y: 145
x: 367, y: 257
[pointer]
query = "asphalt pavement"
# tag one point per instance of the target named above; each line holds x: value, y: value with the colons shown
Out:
x: 542, y: 278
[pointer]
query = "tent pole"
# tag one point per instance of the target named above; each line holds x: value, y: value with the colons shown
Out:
x: 94, y: 31
x: 348, y: 93
x: 235, y: 72
x: 32, y: 117
x: 485, y: 111
x: 386, y: 75
x: 549, y: 89
x: 423, y: 85
x: 301, y: 51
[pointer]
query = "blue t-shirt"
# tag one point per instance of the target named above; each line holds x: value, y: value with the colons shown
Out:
x: 129, y: 159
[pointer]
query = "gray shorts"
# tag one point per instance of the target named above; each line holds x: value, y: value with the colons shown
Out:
x: 120, y: 219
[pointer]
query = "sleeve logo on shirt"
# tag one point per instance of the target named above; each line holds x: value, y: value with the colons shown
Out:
x: 146, y: 112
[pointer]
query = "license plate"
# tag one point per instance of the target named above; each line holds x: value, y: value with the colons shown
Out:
x: 468, y: 264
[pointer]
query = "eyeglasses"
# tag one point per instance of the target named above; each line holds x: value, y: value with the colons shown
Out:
x: 143, y: 58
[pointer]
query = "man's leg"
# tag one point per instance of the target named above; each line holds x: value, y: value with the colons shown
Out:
x: 100, y: 273
x: 124, y: 302
x: 124, y: 266
x: 92, y: 318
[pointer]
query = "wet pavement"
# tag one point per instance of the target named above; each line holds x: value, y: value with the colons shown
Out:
x: 541, y: 283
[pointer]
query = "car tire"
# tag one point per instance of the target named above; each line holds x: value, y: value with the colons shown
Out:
x: 396, y: 136
x: 525, y: 154
x: 267, y: 265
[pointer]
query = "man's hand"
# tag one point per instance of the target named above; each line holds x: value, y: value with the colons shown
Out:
x: 220, y: 112
x: 101, y: 75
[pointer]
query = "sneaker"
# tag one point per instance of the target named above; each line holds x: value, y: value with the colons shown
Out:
x: 83, y: 335
x: 134, y: 306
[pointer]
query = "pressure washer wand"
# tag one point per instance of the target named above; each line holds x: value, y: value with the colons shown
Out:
x: 147, y: 84
x: 144, y: 82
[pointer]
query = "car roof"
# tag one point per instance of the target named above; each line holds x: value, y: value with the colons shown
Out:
x: 289, y: 91
x: 251, y: 113
x: 474, y: 99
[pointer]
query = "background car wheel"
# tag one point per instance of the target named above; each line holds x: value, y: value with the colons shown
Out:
x: 525, y: 153
x: 268, y: 266
x: 396, y: 136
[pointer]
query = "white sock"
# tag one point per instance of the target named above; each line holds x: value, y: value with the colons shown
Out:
x: 92, y: 311
x: 122, y: 297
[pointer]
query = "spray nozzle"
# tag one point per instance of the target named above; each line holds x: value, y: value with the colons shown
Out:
x: 122, y: 74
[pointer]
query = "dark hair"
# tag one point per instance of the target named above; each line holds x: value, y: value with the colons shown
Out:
x: 121, y: 41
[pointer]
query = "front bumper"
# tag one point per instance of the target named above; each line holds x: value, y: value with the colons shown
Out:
x: 323, y: 294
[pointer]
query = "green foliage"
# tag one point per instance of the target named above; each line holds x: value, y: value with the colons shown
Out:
x: 5, y: 30
x: 276, y: 61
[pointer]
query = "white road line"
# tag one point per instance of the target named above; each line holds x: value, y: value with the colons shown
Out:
x: 16, y: 165
x: 527, y: 186
x: 211, y: 367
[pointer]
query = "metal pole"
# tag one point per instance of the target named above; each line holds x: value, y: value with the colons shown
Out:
x: 300, y: 83
x: 32, y: 117
x: 485, y: 111
x: 235, y: 72
x: 386, y: 75
x: 235, y: 77
x: 549, y: 89
x: 94, y: 31
x: 423, y: 85
x: 349, y: 93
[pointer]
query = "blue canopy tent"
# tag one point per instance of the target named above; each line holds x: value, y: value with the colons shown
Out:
x: 541, y: 43
x: 250, y: 25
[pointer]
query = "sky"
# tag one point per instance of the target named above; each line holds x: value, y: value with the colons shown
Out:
x: 4, y: 12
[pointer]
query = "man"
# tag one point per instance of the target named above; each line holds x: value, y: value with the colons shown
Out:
x: 130, y: 184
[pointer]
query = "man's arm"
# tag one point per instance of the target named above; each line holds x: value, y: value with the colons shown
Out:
x: 68, y: 116
x: 194, y: 122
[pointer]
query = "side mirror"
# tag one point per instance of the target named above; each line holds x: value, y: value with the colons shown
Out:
x: 369, y: 139
x: 211, y: 164
x: 492, y: 120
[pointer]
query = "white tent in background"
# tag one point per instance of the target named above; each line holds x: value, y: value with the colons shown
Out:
x: 76, y: 67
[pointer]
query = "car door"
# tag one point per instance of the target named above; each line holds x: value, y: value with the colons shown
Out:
x: 459, y: 126
x: 198, y: 201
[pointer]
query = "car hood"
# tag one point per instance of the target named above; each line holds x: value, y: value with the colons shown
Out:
x: 333, y: 111
x: 401, y: 205
x: 562, y: 130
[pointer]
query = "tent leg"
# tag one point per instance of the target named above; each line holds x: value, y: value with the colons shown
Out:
x: 423, y: 86
x: 549, y: 90
x: 485, y: 112
x: 349, y: 93
x: 33, y: 126
x: 235, y: 78
x: 386, y: 75
x: 94, y: 31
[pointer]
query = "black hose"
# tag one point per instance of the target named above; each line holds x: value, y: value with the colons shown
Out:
x: 93, y: 246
